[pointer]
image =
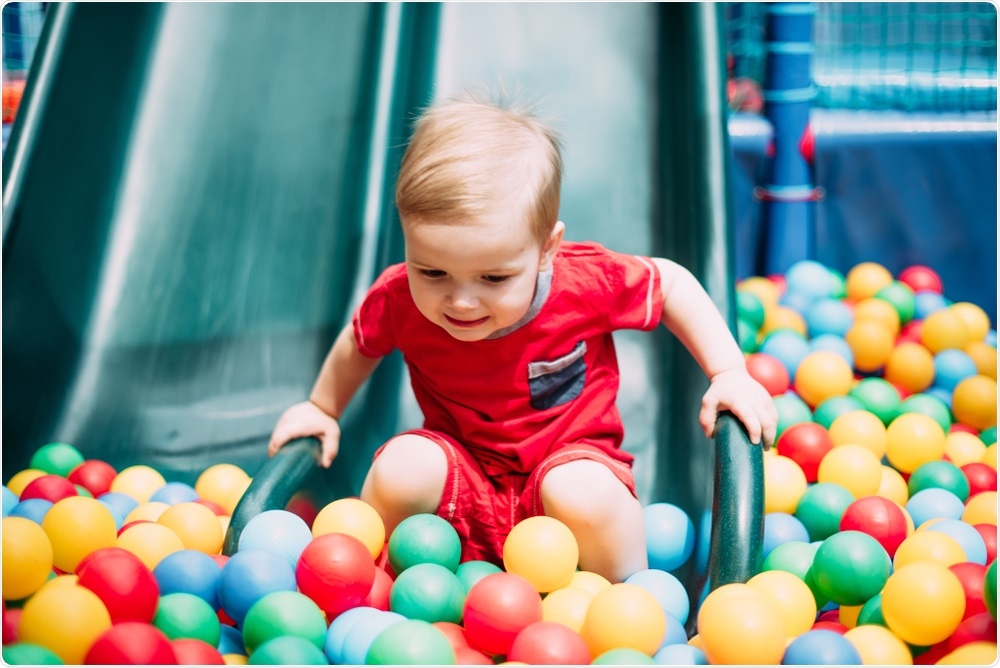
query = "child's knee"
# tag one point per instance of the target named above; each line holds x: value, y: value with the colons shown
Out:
x: 584, y: 488
x: 409, y: 466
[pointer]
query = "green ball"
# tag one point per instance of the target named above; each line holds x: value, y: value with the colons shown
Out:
x: 288, y: 650
x: 990, y: 589
x: 900, y: 296
x: 747, y: 336
x: 283, y: 613
x: 930, y: 406
x: 750, y: 309
x: 623, y: 656
x: 879, y: 397
x: 832, y: 408
x: 26, y: 654
x: 791, y: 410
x: 429, y: 592
x: 871, y: 612
x: 183, y: 615
x: 56, y: 458
x: 413, y: 642
x: 471, y: 572
x: 810, y: 579
x: 821, y: 508
x: 850, y: 567
x: 839, y: 284
x: 793, y: 557
x: 989, y: 435
x: 424, y: 539
x: 941, y: 474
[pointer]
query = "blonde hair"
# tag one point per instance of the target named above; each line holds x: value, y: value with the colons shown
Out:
x: 471, y: 156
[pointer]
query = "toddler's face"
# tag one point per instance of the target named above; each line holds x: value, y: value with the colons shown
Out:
x: 474, y: 278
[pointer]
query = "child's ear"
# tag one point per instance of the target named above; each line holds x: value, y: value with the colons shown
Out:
x: 552, y: 245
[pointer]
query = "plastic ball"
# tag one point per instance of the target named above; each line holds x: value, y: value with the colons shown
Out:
x: 27, y: 557
x: 590, y: 581
x: 821, y: 375
x: 189, y: 572
x: 913, y: 439
x: 780, y: 528
x: 952, y: 366
x: 341, y: 628
x: 94, y: 475
x: 928, y: 546
x: 879, y: 518
x: 788, y: 347
x: 223, y: 484
x: 250, y: 575
x: 810, y: 278
x: 543, y: 551
x: 821, y: 647
x: 865, y: 279
x: 666, y: 589
x: 747, y: 336
x: 131, y: 643
x: 355, y: 518
x: 828, y: 316
x: 429, y: 592
x: 790, y: 597
x: 26, y: 654
x: 821, y: 508
x: 669, y: 536
x: 939, y: 475
x: 567, y: 606
x: 183, y: 615
x: 56, y: 458
x: 770, y: 372
x: 623, y: 656
x: 765, y: 290
x: 424, y: 538
x: 871, y: 342
x: 336, y: 571
x: 850, y: 567
x: 965, y: 535
x: 35, y: 509
x: 791, y: 411
x: 981, y: 509
x: 919, y: 277
x: 279, y: 531
x: 76, y: 526
x: 139, y: 482
x: 911, y: 366
x: 283, y: 613
x: 981, y: 477
x: 412, y: 642
x: 121, y: 504
x: 784, y: 484
x: 549, y: 643
x: 974, y: 402
x: 363, y: 634
x: 878, y: 311
x: 173, y: 493
x: 901, y: 297
x: 197, y: 526
x: 149, y: 511
x: 984, y: 356
x: 124, y: 584
x: 944, y: 329
x: 980, y: 653
x: 878, y: 645
x: 471, y: 572
x: 923, y: 603
x: 782, y: 317
x: 806, y: 444
x: 744, y: 628
x: 497, y: 608
x: 878, y: 396
x: 860, y: 427
x: 833, y: 344
x: 50, y: 487
x: 976, y: 320
x: 288, y: 650
x: 194, y: 652
x: 150, y: 542
x: 893, y: 486
x: 990, y: 589
x: 66, y: 620
x: 832, y: 408
x: 928, y: 404
x: 624, y: 615
x: 854, y: 468
x: 750, y: 308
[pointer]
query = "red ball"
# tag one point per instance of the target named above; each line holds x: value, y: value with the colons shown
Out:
x: 780, y: 281
x: 378, y: 597
x: 123, y: 583
x: 497, y: 608
x: 828, y: 625
x: 981, y: 477
x: 11, y: 619
x: 94, y: 476
x: 131, y: 644
x: 933, y: 655
x: 194, y: 652
x: 972, y: 576
x: 129, y: 525
x: 336, y: 571
x: 50, y: 487
x: 910, y: 333
x: 878, y: 517
x: 454, y: 633
x: 989, y: 534
x: 958, y: 426
x: 980, y: 626
x: 806, y: 444
x: 466, y: 656
x: 769, y: 372
x: 549, y: 643
x: 213, y: 506
x: 920, y: 277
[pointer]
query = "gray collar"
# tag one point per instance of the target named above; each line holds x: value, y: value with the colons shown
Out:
x: 543, y: 285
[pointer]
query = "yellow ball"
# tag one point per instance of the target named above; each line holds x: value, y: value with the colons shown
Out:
x: 790, y: 597
x: 865, y: 279
x: 923, y: 603
x: 592, y: 582
x: 76, y: 526
x: 978, y: 653
x: 355, y: 518
x: 567, y: 606
x: 944, y: 329
x: 223, y: 484
x: 974, y: 402
x: 913, y: 439
x: 984, y: 356
x: 196, y: 526
x: 22, y: 478
x: 784, y: 484
x: 26, y: 558
x: 66, y: 620
x: 149, y: 511
x: 976, y: 321
x: 880, y: 311
x: 963, y: 448
x: 910, y: 366
x: 893, y: 487
x: 981, y: 509
x: 235, y: 659
x: 822, y: 374
x: 928, y: 547
x: 848, y: 615
x: 767, y: 291
x: 853, y: 467
x: 140, y: 482
x: 990, y: 456
x: 151, y: 542
x: 543, y: 551
x: 624, y: 615
x: 859, y: 427
x: 871, y: 344
x: 744, y: 629
x: 878, y: 646
x: 783, y: 317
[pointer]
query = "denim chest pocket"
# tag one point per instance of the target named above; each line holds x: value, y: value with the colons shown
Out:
x: 558, y: 381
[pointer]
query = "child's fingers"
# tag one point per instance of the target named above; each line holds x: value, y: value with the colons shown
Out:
x: 708, y: 416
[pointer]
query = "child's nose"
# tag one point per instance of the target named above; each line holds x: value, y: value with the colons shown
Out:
x: 464, y: 297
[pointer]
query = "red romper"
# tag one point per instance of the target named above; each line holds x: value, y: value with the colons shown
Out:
x: 540, y: 393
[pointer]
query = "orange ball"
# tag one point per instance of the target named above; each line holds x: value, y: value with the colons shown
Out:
x: 783, y: 317
x: 944, y: 329
x: 865, y: 279
x: 853, y: 467
x: 871, y: 342
x: 984, y: 356
x: 784, y: 484
x: 974, y: 402
x: 859, y: 427
x: 880, y: 311
x: 763, y: 289
x: 911, y: 366
x: 822, y: 374
x: 196, y: 526
x: 981, y: 509
x: 977, y: 322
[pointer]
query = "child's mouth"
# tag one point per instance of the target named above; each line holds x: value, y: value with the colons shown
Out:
x: 467, y: 324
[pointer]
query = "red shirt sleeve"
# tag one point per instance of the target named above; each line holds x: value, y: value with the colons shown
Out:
x: 373, y: 319
x: 638, y: 299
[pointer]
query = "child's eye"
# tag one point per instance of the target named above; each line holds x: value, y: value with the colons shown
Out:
x: 495, y: 279
x: 432, y: 273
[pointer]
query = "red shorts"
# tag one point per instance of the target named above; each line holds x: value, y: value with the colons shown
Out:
x: 483, y: 510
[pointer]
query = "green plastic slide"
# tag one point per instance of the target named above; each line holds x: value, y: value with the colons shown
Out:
x: 196, y: 195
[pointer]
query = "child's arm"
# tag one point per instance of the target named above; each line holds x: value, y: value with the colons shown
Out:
x: 343, y: 372
x: 692, y: 316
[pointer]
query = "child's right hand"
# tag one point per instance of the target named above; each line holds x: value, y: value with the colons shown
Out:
x: 303, y: 420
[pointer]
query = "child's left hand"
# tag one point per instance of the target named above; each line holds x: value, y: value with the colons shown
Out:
x: 737, y: 391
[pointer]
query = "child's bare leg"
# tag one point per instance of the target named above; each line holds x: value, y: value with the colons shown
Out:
x: 406, y: 478
x: 603, y: 515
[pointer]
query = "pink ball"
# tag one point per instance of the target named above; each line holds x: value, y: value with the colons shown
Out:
x: 878, y: 517
x: 336, y: 571
x: 497, y: 608
x: 131, y: 644
x: 123, y: 583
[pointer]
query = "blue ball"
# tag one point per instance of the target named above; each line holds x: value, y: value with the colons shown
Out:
x: 810, y: 278
x: 821, y: 648
x: 991, y: 338
x: 32, y: 509
x: 189, y: 572
x: 926, y: 302
x: 834, y: 344
x: 680, y: 654
x: 174, y: 492
x: 828, y: 316
x: 669, y: 536
x: 667, y: 589
x: 788, y: 347
x: 10, y: 499
x: 934, y: 502
x: 943, y: 395
x: 970, y: 540
x: 278, y: 531
x: 341, y: 627
x: 781, y: 528
x: 675, y: 633
x: 249, y: 576
x: 231, y: 641
x: 952, y: 366
x: 363, y: 634
x: 123, y: 504
x: 797, y: 301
